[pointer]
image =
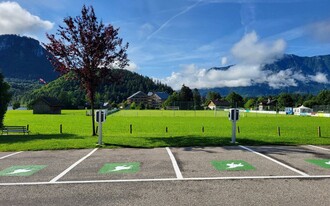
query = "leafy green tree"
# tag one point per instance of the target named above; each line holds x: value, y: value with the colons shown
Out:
x: 4, y: 98
x: 285, y: 100
x: 88, y: 49
x: 323, y: 98
x: 197, y: 99
x: 171, y: 100
x: 141, y: 106
x: 211, y: 95
x: 310, y: 103
x: 133, y: 105
x: 235, y: 99
x: 251, y: 103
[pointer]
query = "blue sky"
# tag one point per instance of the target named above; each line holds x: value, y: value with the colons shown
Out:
x: 177, y: 41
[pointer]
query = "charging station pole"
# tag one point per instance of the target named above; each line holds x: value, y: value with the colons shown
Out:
x: 100, y: 128
x: 100, y: 118
x: 233, y: 117
x: 233, y: 136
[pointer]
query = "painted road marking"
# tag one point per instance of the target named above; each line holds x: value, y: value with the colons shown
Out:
x: 10, y: 155
x: 71, y: 167
x: 167, y: 179
x: 129, y: 167
x: 278, y: 162
x: 322, y: 148
x: 175, y: 164
x: 23, y: 170
x: 325, y: 163
x: 232, y: 165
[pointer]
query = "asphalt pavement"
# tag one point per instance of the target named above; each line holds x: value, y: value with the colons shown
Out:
x: 232, y: 175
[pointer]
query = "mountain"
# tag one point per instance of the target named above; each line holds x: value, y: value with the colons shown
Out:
x: 290, y: 74
x: 24, y: 58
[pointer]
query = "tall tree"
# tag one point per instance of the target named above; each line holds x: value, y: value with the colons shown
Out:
x: 4, y: 98
x: 235, y: 99
x: 89, y: 49
x: 211, y: 96
x: 323, y: 97
x: 186, y: 95
x: 197, y: 99
x: 285, y: 100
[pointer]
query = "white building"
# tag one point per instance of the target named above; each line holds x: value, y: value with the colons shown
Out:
x: 302, y: 110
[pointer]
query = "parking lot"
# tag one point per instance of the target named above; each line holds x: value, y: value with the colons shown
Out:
x: 164, y: 164
x: 232, y: 175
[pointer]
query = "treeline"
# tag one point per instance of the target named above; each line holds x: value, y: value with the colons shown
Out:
x: 124, y: 83
x: 192, y: 99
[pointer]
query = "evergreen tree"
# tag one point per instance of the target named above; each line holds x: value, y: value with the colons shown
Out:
x: 186, y: 95
x: 4, y: 98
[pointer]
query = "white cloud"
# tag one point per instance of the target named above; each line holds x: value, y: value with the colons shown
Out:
x: 249, y: 50
x: 16, y: 20
x: 252, y: 54
x: 281, y: 79
x: 132, y: 67
x: 224, y: 61
x: 319, y: 78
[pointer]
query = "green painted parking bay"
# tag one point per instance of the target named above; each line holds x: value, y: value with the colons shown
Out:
x: 124, y: 163
x: 296, y: 157
x: 38, y: 166
x: 22, y: 170
x: 324, y: 163
x: 206, y: 162
x: 232, y: 165
x: 121, y: 167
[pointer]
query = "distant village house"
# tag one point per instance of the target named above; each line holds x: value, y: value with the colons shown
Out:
x: 213, y: 104
x: 152, y: 99
x: 269, y: 105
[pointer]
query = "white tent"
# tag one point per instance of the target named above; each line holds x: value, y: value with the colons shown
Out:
x: 302, y: 110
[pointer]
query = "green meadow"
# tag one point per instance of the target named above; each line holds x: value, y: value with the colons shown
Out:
x: 160, y: 128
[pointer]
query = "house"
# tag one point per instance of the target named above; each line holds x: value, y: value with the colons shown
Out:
x: 46, y: 105
x: 138, y: 97
x: 156, y: 99
x: 152, y: 99
x: 213, y: 104
x: 269, y: 105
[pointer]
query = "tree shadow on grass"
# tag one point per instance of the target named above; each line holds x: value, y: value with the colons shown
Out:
x: 5, y: 139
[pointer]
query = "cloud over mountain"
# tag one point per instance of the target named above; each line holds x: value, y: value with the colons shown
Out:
x: 16, y: 20
x: 251, y: 54
x: 254, y: 58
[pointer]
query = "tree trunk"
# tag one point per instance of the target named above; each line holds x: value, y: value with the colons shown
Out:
x: 92, y: 100
x: 93, y: 118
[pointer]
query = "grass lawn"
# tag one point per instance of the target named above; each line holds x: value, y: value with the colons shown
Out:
x: 184, y: 128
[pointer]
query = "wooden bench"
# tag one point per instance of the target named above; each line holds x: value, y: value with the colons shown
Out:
x: 14, y: 129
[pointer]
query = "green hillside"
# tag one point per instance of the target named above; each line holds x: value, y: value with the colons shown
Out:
x: 69, y: 92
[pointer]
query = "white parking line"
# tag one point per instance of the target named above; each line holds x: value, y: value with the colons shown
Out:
x: 175, y: 164
x: 166, y: 179
x: 1, y: 158
x: 71, y: 167
x: 321, y: 148
x: 278, y: 162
